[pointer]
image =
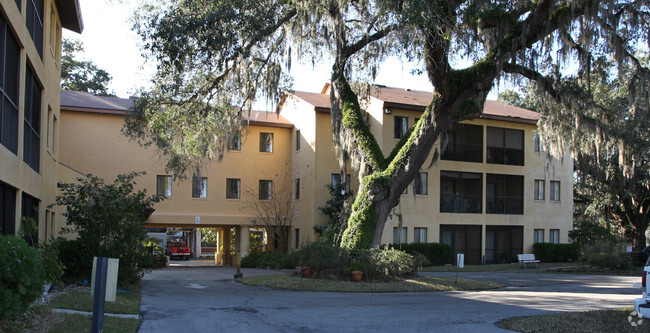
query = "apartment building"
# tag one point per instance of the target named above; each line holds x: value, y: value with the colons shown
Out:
x: 30, y: 67
x: 491, y: 194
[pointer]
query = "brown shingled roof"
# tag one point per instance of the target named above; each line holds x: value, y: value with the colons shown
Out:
x: 70, y: 15
x: 87, y: 102
x: 262, y: 118
x: 407, y: 99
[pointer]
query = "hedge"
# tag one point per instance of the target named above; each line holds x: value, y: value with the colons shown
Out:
x: 436, y: 253
x: 550, y: 252
x: 21, y: 275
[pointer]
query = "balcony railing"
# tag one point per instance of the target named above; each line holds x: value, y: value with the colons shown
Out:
x: 505, y: 205
x: 461, y: 204
x: 464, y: 152
x: 507, y: 156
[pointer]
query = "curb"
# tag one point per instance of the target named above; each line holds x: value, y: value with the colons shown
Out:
x: 127, y: 316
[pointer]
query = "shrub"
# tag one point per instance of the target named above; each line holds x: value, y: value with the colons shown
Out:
x: 263, y: 260
x: 436, y: 253
x: 550, y: 252
x: 392, y: 263
x: 52, y: 264
x: 109, y: 220
x: 603, y: 255
x: 323, y: 256
x: 21, y: 275
x: 77, y: 261
x: 154, y: 256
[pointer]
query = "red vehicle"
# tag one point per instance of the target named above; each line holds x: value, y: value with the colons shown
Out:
x: 178, y: 249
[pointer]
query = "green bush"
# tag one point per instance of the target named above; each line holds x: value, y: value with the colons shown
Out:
x: 392, y: 263
x: 21, y: 275
x: 76, y: 259
x: 603, y: 254
x: 263, y: 260
x: 52, y: 264
x: 436, y: 253
x: 550, y: 252
x: 323, y: 256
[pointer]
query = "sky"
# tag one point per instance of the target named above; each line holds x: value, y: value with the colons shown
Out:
x: 111, y: 44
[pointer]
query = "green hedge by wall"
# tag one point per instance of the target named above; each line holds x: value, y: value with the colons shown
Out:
x: 437, y: 253
x: 550, y: 252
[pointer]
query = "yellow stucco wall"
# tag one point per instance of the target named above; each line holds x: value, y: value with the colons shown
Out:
x: 105, y: 153
x: 13, y: 170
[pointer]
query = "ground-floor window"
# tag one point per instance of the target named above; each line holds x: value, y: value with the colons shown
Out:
x: 419, y: 235
x: 554, y: 236
x: 399, y: 235
x: 30, y: 210
x: 7, y: 210
x: 538, y: 236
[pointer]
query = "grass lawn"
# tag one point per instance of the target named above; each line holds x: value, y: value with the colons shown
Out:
x: 422, y: 283
x: 617, y: 320
x: 82, y: 301
x: 41, y: 318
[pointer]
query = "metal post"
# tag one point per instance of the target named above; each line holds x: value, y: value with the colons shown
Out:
x: 239, y: 274
x: 99, y: 295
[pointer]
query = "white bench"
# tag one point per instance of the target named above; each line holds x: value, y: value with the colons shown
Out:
x: 527, y: 259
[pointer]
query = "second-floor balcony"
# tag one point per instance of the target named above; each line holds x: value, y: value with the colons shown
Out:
x: 507, y: 156
x: 461, y: 204
x: 505, y: 205
x: 464, y: 152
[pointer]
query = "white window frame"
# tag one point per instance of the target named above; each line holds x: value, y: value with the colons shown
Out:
x: 538, y: 236
x: 230, y: 182
x: 419, y: 235
x: 539, y: 190
x: 555, y: 190
x: 396, y: 235
x: 164, y: 185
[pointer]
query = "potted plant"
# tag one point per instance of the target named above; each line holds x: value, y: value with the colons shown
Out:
x: 356, y: 268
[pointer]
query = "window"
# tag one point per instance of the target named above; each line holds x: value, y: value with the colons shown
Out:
x: 298, y: 140
x: 266, y: 142
x: 35, y: 23
x: 504, y: 194
x: 297, y: 188
x: 420, y: 184
x: 266, y: 190
x: 539, y: 189
x: 399, y: 235
x: 9, y: 87
x: 235, y: 142
x: 30, y: 209
x: 538, y: 143
x: 233, y: 188
x: 338, y: 182
x: 7, y: 210
x: 164, y: 185
x: 55, y: 134
x: 538, y: 236
x: 505, y: 146
x: 32, y: 129
x: 554, y: 236
x: 419, y: 235
x: 401, y: 126
x: 48, y: 137
x: 297, y: 238
x: 199, y: 187
x: 555, y: 190
x: 461, y: 192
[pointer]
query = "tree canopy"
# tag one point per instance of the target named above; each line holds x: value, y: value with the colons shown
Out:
x: 82, y: 75
x: 215, y: 58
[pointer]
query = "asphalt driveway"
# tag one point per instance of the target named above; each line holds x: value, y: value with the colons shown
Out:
x: 207, y: 299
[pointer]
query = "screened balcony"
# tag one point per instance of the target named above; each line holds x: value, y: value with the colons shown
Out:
x: 505, y: 146
x: 464, y: 143
x: 460, y: 192
x: 504, y: 194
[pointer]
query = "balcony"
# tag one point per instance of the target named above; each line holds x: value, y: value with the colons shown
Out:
x: 505, y: 205
x: 464, y: 152
x: 470, y: 204
x: 507, y: 156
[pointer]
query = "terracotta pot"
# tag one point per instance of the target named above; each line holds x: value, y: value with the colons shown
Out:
x: 357, y: 275
x: 305, y: 271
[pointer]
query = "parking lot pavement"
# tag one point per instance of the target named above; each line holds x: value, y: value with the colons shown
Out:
x: 207, y: 299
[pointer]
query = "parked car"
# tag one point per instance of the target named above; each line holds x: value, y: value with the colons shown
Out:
x: 178, y: 249
x: 642, y: 305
